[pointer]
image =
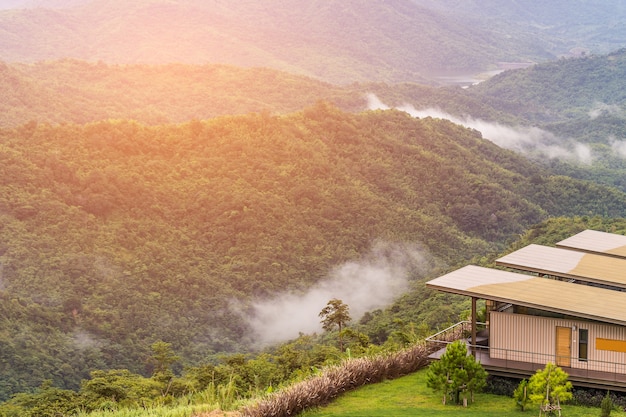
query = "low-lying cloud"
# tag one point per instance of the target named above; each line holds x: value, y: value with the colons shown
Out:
x: 372, y: 282
x: 526, y: 140
x: 618, y: 147
x: 603, y: 109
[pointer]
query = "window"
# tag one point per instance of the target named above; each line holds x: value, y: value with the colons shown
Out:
x: 583, y: 338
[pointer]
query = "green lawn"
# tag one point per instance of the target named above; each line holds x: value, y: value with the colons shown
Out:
x: 408, y: 396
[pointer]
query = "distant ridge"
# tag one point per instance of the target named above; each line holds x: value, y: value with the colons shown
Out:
x: 338, y: 41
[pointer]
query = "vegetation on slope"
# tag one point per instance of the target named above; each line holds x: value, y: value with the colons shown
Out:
x: 70, y: 91
x: 116, y: 235
x: 562, y: 90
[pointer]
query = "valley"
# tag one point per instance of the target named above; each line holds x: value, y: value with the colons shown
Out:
x: 184, y: 185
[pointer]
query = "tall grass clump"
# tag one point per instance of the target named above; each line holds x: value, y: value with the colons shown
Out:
x: 159, y: 411
x: 335, y: 380
x: 208, y: 402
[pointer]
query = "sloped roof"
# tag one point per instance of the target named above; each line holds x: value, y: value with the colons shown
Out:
x: 577, y: 300
x: 593, y: 241
x: 566, y: 263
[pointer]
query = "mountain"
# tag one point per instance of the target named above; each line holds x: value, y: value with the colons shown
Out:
x: 561, y: 91
x: 337, y: 41
x: 116, y: 234
x: 80, y: 92
x: 567, y: 114
x: 578, y: 101
x: 577, y: 26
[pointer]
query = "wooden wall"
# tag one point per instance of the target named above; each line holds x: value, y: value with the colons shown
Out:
x: 525, y: 338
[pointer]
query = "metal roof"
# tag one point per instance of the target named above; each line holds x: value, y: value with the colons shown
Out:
x: 566, y: 263
x: 576, y: 300
x: 594, y: 241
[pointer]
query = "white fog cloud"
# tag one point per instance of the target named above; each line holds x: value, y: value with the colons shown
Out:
x: 367, y: 284
x: 600, y: 109
x: 85, y: 340
x: 525, y: 140
x: 618, y: 146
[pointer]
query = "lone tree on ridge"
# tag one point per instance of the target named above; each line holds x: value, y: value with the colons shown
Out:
x: 336, y: 313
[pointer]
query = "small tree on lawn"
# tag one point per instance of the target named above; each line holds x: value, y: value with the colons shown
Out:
x: 520, y: 395
x: 456, y: 373
x: 606, y: 406
x: 549, y: 387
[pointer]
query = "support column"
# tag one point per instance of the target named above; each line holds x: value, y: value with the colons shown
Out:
x: 474, y: 326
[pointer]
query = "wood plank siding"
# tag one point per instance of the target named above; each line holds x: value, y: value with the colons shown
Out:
x: 535, y: 339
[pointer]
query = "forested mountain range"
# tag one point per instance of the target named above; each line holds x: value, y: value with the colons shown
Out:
x: 339, y: 41
x: 575, y: 102
x: 580, y: 101
x: 116, y: 234
x: 143, y: 200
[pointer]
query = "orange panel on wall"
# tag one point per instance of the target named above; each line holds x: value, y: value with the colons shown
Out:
x: 611, y: 344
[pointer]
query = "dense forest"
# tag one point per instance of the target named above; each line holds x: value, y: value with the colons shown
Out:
x: 116, y: 235
x: 85, y: 92
x: 238, y: 380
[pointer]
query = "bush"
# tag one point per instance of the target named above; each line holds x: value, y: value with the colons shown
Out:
x: 589, y: 397
x: 521, y: 395
x: 606, y: 405
x: 501, y: 386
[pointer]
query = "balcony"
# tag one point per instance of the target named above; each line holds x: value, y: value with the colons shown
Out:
x: 520, y: 364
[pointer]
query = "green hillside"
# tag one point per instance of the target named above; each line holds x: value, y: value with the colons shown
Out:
x: 559, y: 91
x: 70, y: 91
x: 116, y: 235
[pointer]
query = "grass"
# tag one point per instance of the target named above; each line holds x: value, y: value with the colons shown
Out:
x: 164, y: 411
x: 409, y: 396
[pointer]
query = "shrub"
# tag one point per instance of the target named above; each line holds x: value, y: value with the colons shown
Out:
x: 520, y: 395
x: 334, y: 381
x: 606, y: 405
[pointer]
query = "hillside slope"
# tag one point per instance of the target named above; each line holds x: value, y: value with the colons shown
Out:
x: 338, y: 41
x: 70, y: 91
x: 116, y: 234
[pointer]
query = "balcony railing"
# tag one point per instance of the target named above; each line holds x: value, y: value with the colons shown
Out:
x: 529, y: 362
x: 458, y: 331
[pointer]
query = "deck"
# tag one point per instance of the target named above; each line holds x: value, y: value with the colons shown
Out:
x: 582, y: 377
x: 611, y: 377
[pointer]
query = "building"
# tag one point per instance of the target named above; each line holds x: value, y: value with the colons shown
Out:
x: 563, y: 304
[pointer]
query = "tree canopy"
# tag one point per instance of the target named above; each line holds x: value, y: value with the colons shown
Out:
x: 116, y: 235
x: 456, y: 373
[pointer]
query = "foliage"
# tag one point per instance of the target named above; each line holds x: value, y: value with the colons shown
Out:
x: 549, y: 386
x: 84, y: 92
x: 334, y: 381
x: 456, y: 373
x: 520, y: 395
x: 606, y: 406
x: 336, y: 313
x: 116, y: 235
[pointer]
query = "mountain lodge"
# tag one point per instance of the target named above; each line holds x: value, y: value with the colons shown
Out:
x: 563, y: 304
